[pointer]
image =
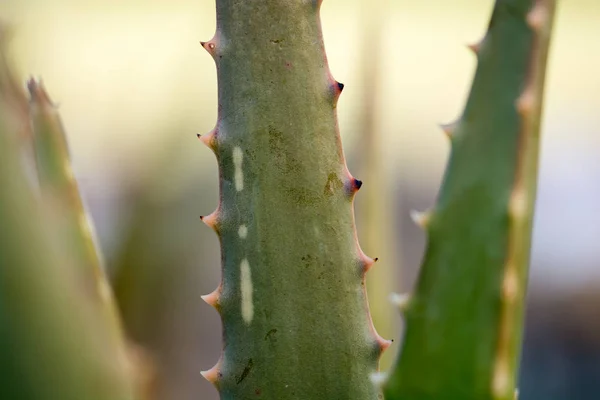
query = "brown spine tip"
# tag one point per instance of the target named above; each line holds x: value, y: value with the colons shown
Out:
x: 352, y: 185
x: 336, y: 89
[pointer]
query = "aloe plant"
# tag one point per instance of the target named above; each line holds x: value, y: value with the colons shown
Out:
x: 465, y: 318
x: 64, y: 206
x: 53, y: 342
x: 296, y: 323
x: 292, y: 298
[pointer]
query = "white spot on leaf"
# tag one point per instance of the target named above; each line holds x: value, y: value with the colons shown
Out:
x: 238, y: 177
x: 246, y: 289
x: 243, y: 232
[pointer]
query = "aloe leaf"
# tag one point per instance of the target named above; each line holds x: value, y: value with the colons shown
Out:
x: 292, y: 298
x: 465, y: 318
x: 52, y: 345
x: 63, y: 204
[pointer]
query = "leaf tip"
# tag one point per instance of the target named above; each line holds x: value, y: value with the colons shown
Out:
x: 38, y: 94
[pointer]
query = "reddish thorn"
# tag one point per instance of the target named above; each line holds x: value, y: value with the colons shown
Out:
x: 384, y: 344
x: 209, y: 139
x: 212, y: 298
x: 340, y: 86
x: 213, y: 374
x: 367, y: 261
x: 209, y: 46
x: 352, y: 185
x: 476, y: 47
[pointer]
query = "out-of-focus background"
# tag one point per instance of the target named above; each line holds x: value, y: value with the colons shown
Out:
x: 134, y: 87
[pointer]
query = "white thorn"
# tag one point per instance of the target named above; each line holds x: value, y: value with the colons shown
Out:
x: 212, y: 298
x: 538, y: 16
x: 400, y: 300
x: 421, y: 219
x: 378, y: 378
x: 212, y: 375
x: 449, y: 129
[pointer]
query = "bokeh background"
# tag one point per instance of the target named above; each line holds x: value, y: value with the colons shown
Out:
x: 134, y: 88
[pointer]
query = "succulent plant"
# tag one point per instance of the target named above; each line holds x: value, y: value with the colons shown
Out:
x: 293, y: 302
x: 55, y: 340
x: 292, y: 298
